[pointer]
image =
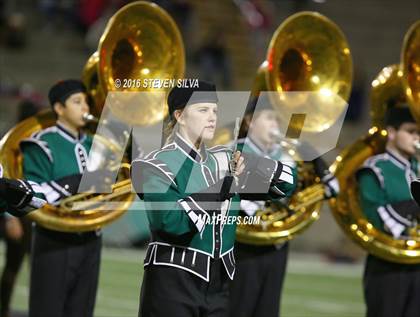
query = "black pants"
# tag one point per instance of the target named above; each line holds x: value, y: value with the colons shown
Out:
x: 64, y: 273
x: 169, y: 291
x: 256, y: 288
x: 391, y: 289
x: 15, y: 254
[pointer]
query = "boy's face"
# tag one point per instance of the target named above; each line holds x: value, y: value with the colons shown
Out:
x: 405, y: 137
x: 72, y: 112
x: 263, y: 125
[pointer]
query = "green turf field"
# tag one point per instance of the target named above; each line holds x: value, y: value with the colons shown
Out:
x: 313, y: 288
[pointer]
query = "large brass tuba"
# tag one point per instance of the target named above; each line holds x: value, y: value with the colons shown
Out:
x: 399, y: 83
x: 140, y: 43
x: 410, y: 66
x: 308, y: 52
x: 140, y: 36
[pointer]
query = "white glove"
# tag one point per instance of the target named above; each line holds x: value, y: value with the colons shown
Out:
x: 250, y: 207
x: 331, y: 186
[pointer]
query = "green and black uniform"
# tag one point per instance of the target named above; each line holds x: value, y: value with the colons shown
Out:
x: 19, y: 197
x: 190, y: 257
x: 64, y: 266
x: 256, y: 289
x: 390, y: 289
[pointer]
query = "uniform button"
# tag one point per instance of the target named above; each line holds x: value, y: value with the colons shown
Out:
x: 66, y: 186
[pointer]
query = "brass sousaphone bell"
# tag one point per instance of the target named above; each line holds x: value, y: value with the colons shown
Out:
x: 141, y: 37
x: 410, y: 67
x: 307, y: 53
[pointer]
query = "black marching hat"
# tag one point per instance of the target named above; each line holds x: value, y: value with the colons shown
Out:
x: 64, y: 89
x: 398, y: 115
x: 258, y: 103
x: 180, y: 97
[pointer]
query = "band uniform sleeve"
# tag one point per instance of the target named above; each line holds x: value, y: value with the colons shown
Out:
x: 165, y: 204
x: 286, y: 182
x: 37, y: 167
x: 374, y: 204
x: 19, y: 196
x: 265, y: 178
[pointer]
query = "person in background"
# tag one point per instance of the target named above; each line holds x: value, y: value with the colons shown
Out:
x: 392, y: 289
x: 257, y: 287
x: 64, y: 266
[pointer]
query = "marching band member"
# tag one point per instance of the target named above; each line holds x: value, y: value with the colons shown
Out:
x: 186, y: 187
x: 256, y: 289
x: 64, y: 266
x: 392, y: 289
x: 260, y: 270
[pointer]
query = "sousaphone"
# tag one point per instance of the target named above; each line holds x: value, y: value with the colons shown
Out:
x: 400, y: 84
x: 307, y: 53
x: 140, y: 38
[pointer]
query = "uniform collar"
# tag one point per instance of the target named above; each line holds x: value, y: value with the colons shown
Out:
x: 190, y: 150
x: 64, y: 132
x: 398, y: 159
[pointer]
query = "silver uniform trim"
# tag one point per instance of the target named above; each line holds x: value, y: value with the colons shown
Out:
x: 395, y: 227
x: 206, y: 278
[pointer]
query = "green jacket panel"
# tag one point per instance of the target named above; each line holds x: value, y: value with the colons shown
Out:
x: 169, y: 177
x: 186, y: 232
x: 51, y: 155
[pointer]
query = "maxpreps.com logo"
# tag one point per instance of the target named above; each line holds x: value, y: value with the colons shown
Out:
x: 221, y: 219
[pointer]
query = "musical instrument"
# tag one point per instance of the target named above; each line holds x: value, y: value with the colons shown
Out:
x: 308, y: 52
x: 132, y: 30
x: 399, y: 84
x: 410, y: 61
